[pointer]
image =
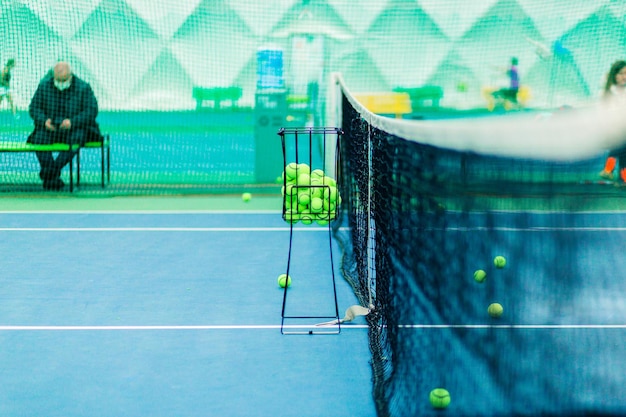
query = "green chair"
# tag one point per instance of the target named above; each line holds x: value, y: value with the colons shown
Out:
x: 24, y: 147
x: 104, y: 144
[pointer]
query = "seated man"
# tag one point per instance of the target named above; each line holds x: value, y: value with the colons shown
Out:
x: 64, y: 109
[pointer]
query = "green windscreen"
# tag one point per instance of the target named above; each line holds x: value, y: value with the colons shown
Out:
x: 193, y: 93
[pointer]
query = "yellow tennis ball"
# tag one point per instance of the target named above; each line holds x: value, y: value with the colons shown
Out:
x: 495, y: 310
x: 330, y: 194
x: 246, y: 197
x: 317, y: 173
x: 499, y: 261
x: 304, y: 169
x: 439, y: 398
x: 304, y: 196
x: 317, y: 204
x: 480, y: 276
x: 290, y: 171
x: 322, y: 221
x: 326, y: 180
x: 284, y: 280
x: 304, y: 179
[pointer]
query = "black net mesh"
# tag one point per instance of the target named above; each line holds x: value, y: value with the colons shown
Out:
x: 420, y: 220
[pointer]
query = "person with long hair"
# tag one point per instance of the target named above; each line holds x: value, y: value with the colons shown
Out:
x: 615, y: 94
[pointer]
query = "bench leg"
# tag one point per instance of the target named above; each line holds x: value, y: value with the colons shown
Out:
x: 71, y: 175
x: 78, y: 168
x: 109, y: 162
x: 102, y: 164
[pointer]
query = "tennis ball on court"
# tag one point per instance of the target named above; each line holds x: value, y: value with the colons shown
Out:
x: 499, y: 261
x: 495, y: 310
x: 284, y: 280
x: 480, y: 276
x: 246, y: 197
x: 439, y: 398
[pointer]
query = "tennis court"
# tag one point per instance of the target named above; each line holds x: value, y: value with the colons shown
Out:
x: 168, y: 313
x: 433, y: 136
x: 177, y: 312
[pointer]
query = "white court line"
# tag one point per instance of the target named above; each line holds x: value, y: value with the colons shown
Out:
x: 531, y: 229
x: 200, y: 327
x: 298, y: 228
x: 512, y: 326
x: 164, y: 229
x: 343, y: 326
x: 130, y: 212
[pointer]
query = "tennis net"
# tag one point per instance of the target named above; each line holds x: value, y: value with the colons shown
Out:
x: 426, y: 204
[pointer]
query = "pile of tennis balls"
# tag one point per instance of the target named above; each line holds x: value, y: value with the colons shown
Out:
x: 309, y: 195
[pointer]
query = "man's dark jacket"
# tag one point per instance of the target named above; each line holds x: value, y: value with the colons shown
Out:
x: 77, y: 103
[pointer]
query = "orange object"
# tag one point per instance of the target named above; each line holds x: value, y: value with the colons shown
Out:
x: 609, y: 165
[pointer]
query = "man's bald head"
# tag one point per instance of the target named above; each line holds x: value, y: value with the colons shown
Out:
x: 62, y: 72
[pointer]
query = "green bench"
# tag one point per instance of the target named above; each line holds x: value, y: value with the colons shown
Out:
x: 425, y: 96
x: 217, y: 95
x: 23, y: 147
x: 103, y: 145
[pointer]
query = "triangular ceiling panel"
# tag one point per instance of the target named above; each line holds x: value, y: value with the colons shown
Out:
x: 261, y: 17
x: 455, y: 17
x: 618, y: 9
x: 63, y: 17
x: 314, y: 18
x: 555, y: 17
x: 359, y: 15
x: 596, y: 43
x: 34, y: 46
x: 360, y: 72
x: 151, y: 92
x: 117, y: 45
x: 424, y: 45
x: 499, y: 35
x: 167, y: 17
x: 210, y: 50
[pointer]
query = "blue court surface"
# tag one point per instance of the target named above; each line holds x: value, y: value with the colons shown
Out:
x: 172, y: 314
x: 179, y: 313
x: 559, y: 348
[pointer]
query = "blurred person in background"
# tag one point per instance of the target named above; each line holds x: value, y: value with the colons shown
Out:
x: 5, y: 85
x: 64, y: 110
